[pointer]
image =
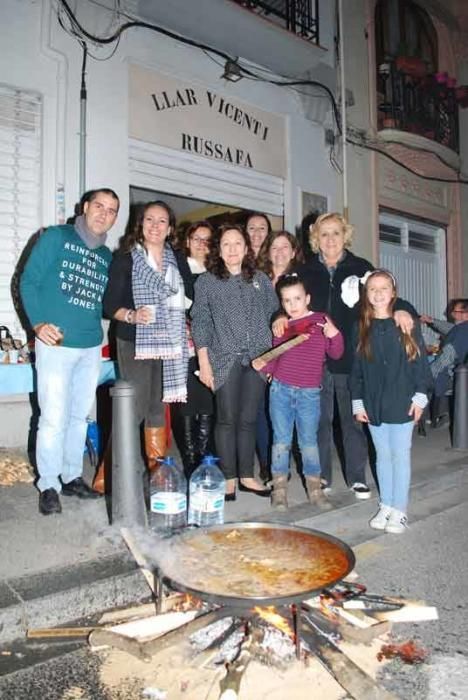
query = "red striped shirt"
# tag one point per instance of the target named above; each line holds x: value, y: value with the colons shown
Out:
x: 303, y: 365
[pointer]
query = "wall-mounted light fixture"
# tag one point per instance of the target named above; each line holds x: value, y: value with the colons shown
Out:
x: 232, y: 71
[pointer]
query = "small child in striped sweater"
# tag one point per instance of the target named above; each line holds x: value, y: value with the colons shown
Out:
x: 295, y: 389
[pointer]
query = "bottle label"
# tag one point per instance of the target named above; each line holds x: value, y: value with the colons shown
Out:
x: 168, y: 502
x: 206, y: 502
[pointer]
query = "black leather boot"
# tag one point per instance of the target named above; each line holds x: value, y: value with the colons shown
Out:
x: 204, y: 438
x: 189, y: 445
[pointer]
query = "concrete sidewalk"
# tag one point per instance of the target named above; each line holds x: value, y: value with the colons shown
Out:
x: 65, y: 567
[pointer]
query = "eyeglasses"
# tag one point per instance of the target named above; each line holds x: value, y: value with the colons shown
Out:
x: 201, y: 241
x: 460, y: 311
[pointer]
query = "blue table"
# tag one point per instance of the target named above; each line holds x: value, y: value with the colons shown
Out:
x: 21, y: 378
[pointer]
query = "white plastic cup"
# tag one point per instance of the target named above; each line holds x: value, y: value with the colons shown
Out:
x: 152, y: 310
x: 13, y: 357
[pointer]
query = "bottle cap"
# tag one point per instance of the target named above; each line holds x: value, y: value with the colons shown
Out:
x: 168, y: 459
x: 210, y: 459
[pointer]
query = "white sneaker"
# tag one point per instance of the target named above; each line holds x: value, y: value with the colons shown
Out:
x: 380, y: 519
x: 397, y: 522
x: 361, y: 491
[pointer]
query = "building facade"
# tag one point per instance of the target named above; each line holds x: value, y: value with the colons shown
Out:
x: 222, y: 106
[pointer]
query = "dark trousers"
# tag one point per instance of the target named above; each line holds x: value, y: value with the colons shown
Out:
x: 354, y: 440
x: 263, y: 430
x: 146, y: 378
x: 237, y: 402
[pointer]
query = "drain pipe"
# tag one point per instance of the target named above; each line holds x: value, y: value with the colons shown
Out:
x: 343, y: 111
x: 83, y: 101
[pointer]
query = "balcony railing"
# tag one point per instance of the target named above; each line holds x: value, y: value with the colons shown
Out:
x: 298, y: 16
x: 417, y: 104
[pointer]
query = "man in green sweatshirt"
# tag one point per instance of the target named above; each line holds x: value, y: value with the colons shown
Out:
x: 62, y: 288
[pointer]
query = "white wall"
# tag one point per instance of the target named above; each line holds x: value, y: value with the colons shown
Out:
x: 54, y: 68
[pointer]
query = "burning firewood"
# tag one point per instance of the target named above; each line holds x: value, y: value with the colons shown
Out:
x: 230, y: 684
x: 409, y: 652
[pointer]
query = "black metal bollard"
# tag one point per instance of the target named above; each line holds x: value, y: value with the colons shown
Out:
x: 128, y: 503
x: 460, y: 409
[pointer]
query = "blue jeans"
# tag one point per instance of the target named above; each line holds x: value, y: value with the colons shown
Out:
x: 66, y: 387
x: 392, y: 443
x: 289, y: 405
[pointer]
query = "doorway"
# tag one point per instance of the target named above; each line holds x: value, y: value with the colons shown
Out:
x: 189, y: 210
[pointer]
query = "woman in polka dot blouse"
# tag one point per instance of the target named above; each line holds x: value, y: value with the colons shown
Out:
x: 231, y: 326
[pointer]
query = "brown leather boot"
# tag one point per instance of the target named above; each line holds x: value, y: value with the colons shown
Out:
x: 315, y: 493
x: 279, y: 497
x: 155, y: 446
x: 99, y: 483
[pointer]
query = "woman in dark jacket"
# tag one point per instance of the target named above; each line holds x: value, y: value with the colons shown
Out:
x: 334, y: 276
x: 146, y: 298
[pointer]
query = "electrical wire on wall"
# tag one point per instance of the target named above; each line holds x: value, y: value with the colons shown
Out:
x: 353, y: 136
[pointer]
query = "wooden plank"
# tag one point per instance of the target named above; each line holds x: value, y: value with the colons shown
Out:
x: 57, y: 632
x: 104, y: 637
x: 150, y: 627
x: 135, y: 612
x: 280, y: 349
x: 139, y: 558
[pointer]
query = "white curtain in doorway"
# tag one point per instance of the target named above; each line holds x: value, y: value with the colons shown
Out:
x: 161, y: 169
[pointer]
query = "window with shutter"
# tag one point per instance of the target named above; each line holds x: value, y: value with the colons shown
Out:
x: 20, y: 188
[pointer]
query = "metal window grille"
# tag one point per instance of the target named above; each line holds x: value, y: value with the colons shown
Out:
x: 298, y: 16
x: 20, y: 187
x: 390, y: 234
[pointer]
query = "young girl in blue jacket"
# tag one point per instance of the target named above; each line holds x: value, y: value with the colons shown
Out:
x: 389, y: 382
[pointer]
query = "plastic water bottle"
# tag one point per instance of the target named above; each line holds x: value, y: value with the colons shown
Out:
x: 206, y: 498
x: 168, y: 498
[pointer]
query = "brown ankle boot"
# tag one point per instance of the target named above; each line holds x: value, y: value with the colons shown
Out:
x: 99, y: 483
x: 279, y: 497
x: 155, y: 446
x: 315, y: 493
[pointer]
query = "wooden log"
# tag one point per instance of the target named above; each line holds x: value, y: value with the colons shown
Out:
x: 230, y: 684
x: 346, y: 630
x: 356, y: 682
x: 175, y: 636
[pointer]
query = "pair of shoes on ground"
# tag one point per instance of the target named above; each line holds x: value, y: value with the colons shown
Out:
x: 262, y: 492
x: 390, y: 520
x: 49, y: 501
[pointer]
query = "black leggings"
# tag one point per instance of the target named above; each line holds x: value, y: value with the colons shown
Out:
x: 145, y: 376
x: 237, y: 402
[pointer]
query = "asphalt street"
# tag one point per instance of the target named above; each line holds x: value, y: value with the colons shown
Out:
x: 428, y: 562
